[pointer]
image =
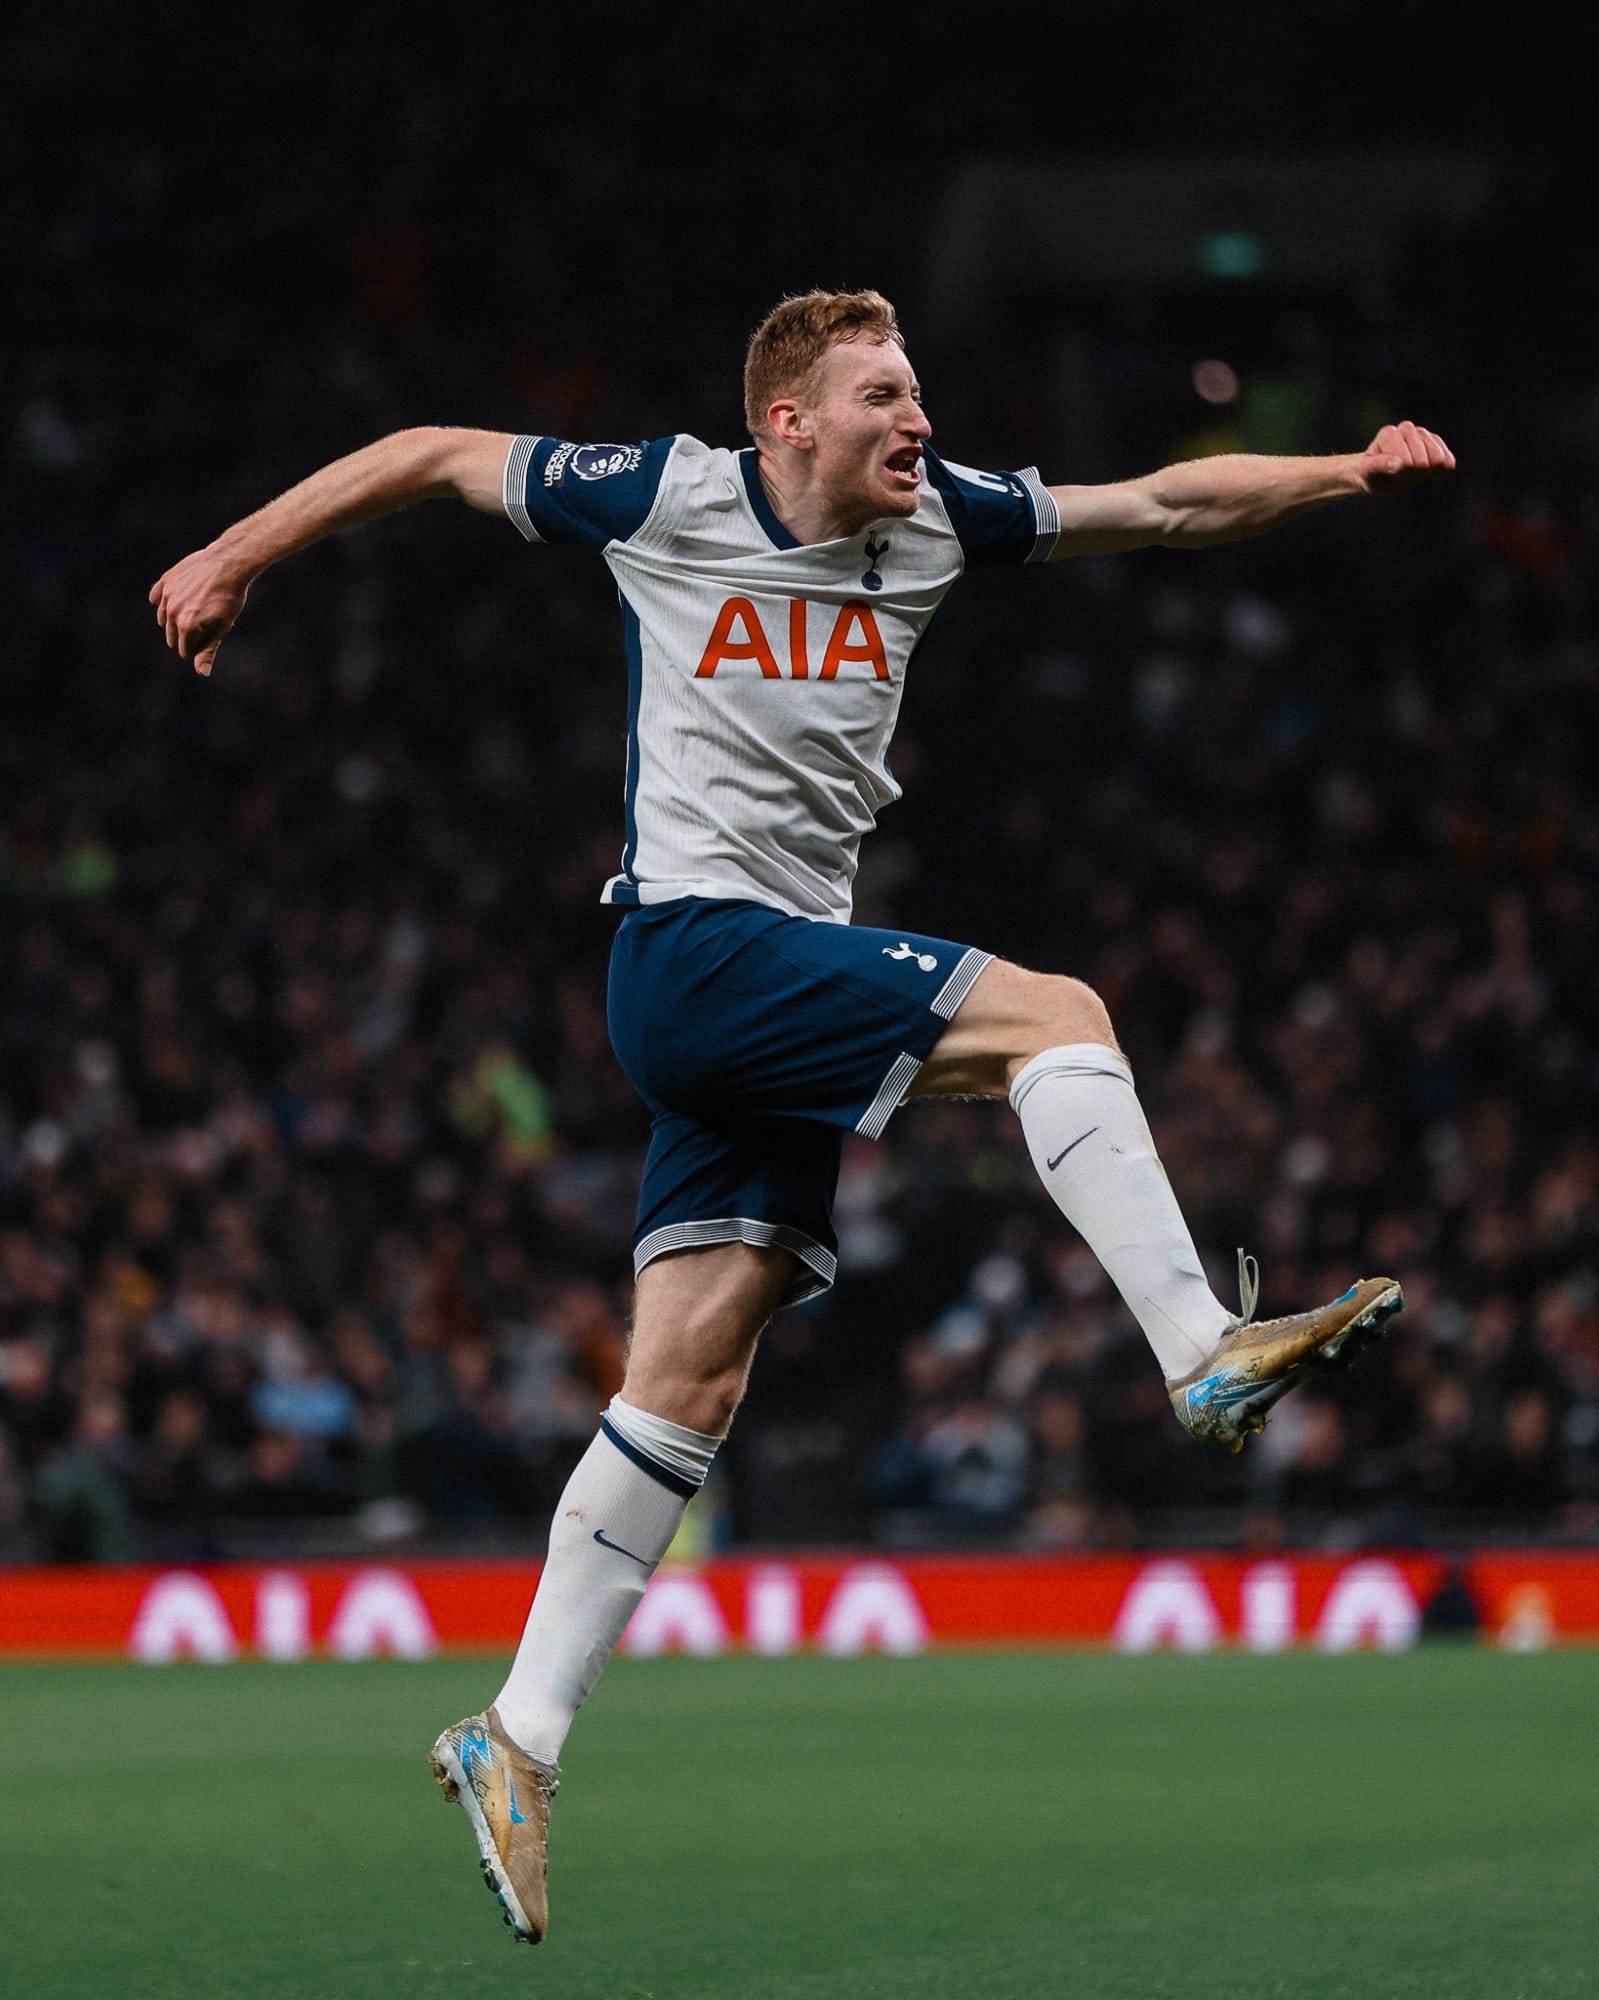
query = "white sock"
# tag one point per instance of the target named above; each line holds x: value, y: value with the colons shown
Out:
x: 630, y: 1487
x: 1088, y: 1138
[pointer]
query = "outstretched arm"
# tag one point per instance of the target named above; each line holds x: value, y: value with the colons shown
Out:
x: 1209, y: 500
x: 198, y: 599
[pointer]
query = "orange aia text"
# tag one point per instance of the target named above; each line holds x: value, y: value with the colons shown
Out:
x: 738, y: 634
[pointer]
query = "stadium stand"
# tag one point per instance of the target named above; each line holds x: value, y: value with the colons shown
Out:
x: 316, y: 1171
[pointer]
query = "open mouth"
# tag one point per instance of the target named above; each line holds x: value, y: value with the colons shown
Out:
x: 905, y: 468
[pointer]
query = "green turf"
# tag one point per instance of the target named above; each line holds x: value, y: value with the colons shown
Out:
x: 791, y: 1829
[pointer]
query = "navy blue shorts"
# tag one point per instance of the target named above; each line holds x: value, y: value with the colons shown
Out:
x: 758, y: 1040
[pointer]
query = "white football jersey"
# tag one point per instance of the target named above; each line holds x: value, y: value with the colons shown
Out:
x: 764, y: 674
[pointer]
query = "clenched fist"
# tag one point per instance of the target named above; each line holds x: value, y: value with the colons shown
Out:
x: 1402, y: 455
x: 196, y: 603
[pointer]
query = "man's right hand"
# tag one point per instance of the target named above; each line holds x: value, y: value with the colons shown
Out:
x: 198, y: 599
x: 196, y: 603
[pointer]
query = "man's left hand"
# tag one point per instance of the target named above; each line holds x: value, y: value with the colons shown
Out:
x: 1403, y: 455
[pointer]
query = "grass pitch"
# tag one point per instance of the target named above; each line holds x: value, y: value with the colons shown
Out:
x: 1052, y: 1824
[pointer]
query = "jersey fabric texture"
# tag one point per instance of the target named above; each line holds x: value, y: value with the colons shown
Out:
x: 765, y: 675
x: 764, y: 681
x: 758, y: 1040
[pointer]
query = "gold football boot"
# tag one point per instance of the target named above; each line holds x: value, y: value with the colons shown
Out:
x: 1258, y: 1361
x: 506, y: 1795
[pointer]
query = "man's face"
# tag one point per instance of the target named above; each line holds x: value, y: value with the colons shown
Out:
x: 865, y: 408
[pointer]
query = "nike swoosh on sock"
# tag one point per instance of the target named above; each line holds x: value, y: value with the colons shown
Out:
x: 605, y: 1542
x: 1054, y: 1163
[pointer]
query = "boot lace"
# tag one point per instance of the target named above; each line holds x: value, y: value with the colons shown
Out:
x: 1248, y: 1287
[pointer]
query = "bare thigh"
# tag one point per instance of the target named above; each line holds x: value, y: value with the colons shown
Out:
x: 697, y: 1316
x: 1009, y: 1017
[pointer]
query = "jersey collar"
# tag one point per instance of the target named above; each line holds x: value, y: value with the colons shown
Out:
x: 760, y: 506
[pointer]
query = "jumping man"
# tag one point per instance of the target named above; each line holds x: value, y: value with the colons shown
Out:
x: 772, y: 599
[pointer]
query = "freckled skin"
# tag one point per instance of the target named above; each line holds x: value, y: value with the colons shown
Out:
x: 845, y: 452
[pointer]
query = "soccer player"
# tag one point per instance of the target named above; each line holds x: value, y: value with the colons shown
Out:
x: 772, y: 600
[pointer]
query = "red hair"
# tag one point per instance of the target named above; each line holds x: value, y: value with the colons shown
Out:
x: 785, y: 348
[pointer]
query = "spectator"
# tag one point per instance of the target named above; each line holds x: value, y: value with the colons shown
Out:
x: 81, y: 1496
x: 315, y: 1170
x: 174, y: 1486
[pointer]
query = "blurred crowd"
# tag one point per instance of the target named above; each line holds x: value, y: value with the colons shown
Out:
x: 316, y: 1172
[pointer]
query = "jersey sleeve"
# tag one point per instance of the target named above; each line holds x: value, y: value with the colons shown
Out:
x: 587, y: 493
x: 998, y: 517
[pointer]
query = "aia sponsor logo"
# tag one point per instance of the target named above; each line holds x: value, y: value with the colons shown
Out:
x: 739, y: 634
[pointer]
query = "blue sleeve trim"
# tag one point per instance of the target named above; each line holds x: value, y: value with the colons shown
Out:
x: 1046, y: 515
x: 592, y: 494
x: 998, y: 517
x: 515, y: 486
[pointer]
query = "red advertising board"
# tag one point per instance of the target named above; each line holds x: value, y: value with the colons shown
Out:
x: 804, y: 1603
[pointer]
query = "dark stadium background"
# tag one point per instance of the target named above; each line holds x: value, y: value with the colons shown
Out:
x: 315, y: 1170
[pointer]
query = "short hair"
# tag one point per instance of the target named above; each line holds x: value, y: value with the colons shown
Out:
x: 785, y: 348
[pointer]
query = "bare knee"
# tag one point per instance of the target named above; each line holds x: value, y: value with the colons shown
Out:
x: 1066, y: 1011
x: 1009, y: 1017
x: 699, y: 1402
x: 687, y: 1385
